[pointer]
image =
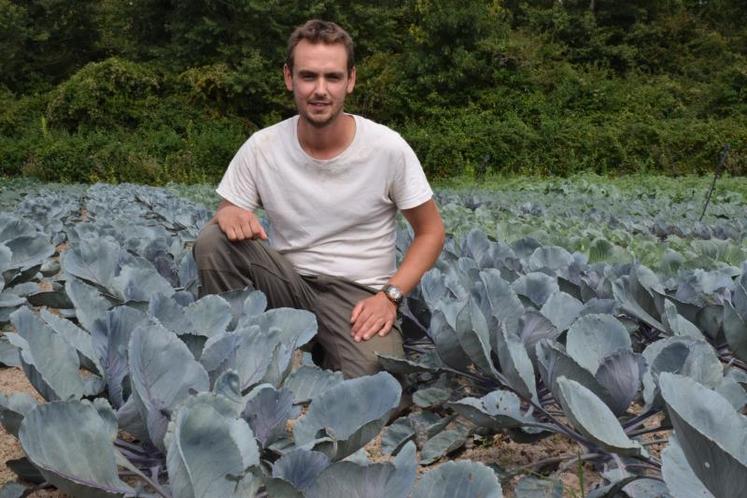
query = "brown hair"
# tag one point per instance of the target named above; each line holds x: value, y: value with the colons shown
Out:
x: 318, y: 31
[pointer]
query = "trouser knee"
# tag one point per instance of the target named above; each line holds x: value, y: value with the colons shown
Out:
x: 222, y: 265
x: 211, y: 243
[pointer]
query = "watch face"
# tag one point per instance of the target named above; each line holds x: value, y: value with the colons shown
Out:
x: 394, y: 293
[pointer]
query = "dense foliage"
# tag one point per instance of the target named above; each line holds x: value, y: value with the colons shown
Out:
x: 514, y: 332
x: 155, y: 90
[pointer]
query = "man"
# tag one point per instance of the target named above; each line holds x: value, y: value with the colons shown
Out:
x: 331, y: 184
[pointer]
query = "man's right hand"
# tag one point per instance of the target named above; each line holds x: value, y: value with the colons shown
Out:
x: 238, y: 223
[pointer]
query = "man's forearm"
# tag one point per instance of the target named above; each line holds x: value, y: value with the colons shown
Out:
x: 418, y: 259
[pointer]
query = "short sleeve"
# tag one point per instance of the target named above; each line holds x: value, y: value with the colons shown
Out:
x: 238, y: 185
x: 410, y: 187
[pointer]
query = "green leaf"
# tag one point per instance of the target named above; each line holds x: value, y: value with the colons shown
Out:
x: 678, y: 324
x: 647, y: 488
x: 497, y: 410
x: 554, y: 363
x: 504, y: 303
x: 346, y: 479
x: 679, y: 476
x: 431, y: 396
x: 51, y: 364
x: 13, y: 490
x: 562, y: 310
x: 735, y: 330
x: 300, y: 468
x: 427, y: 424
x: 552, y: 258
x: 474, y: 337
x: 29, y: 251
x: 308, y: 382
x: 593, y: 337
x: 712, y: 434
x: 73, y: 446
x: 533, y: 487
x: 396, y: 435
x: 353, y: 412
x: 205, y: 426
x: 75, y: 337
x: 12, y: 410
x: 9, y: 354
x: 464, y: 478
x: 442, y: 444
x: 404, y: 366
x: 594, y: 419
x: 516, y: 365
x: 445, y: 337
x: 636, y: 301
x: 683, y: 355
x: 536, y: 286
x: 296, y: 327
x: 93, y: 260
x: 163, y: 374
x: 90, y: 305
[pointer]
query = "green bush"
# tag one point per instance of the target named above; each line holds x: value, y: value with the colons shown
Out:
x: 205, y: 151
x: 249, y: 88
x: 474, y: 143
x: 63, y: 157
x: 156, y: 91
x: 112, y: 93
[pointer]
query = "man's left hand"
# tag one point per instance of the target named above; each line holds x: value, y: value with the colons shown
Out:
x: 374, y: 315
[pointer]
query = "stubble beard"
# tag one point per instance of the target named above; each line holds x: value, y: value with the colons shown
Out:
x: 316, y: 123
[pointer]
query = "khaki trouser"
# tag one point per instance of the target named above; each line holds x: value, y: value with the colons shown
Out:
x: 224, y: 265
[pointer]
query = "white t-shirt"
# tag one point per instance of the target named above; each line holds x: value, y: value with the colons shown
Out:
x: 334, y: 216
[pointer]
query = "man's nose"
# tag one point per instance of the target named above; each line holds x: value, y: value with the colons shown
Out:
x: 321, y: 86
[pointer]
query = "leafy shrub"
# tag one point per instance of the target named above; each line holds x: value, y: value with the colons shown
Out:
x: 205, y: 151
x: 63, y: 157
x: 477, y: 87
x: 114, y: 92
x: 252, y: 87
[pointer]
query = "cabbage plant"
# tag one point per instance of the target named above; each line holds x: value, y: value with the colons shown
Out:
x: 607, y: 321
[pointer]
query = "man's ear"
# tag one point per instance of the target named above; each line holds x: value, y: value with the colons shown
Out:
x: 351, y: 80
x: 288, y: 77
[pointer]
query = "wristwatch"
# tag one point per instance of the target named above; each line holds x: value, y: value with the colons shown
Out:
x: 394, y: 294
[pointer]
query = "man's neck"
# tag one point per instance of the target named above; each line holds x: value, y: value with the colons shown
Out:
x: 328, y: 141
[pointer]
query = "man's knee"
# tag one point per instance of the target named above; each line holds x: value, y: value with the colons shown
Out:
x: 363, y: 366
x: 213, y: 250
x: 222, y: 265
x: 365, y: 360
x: 210, y: 241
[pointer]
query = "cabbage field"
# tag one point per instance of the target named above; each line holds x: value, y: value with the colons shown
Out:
x: 603, y: 321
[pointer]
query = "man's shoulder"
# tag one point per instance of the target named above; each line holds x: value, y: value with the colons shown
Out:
x: 267, y: 142
x: 280, y: 131
x: 380, y: 134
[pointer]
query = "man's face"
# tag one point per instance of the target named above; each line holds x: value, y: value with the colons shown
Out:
x: 320, y: 81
